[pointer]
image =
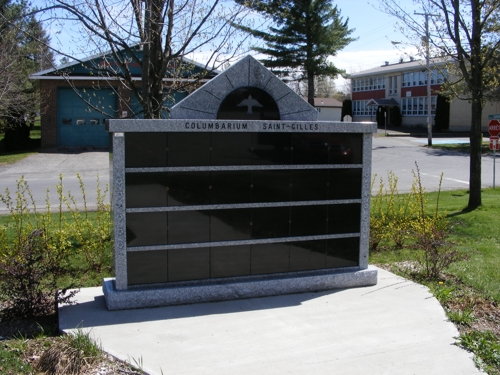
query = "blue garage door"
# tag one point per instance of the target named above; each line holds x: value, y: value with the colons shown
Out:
x: 79, y: 125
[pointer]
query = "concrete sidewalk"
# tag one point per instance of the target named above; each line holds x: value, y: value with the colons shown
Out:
x: 395, y: 327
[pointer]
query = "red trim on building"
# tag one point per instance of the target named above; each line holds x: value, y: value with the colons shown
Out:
x: 420, y: 90
x: 367, y: 95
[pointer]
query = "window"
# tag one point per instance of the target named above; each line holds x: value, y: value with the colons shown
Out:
x: 417, y: 106
x: 365, y: 84
x: 422, y: 78
x: 393, y: 85
x: 359, y: 108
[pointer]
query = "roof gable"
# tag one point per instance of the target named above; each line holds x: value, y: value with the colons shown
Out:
x: 105, y: 65
x: 204, y: 103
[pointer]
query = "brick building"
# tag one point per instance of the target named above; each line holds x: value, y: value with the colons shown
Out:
x: 78, y: 97
x: 405, y: 85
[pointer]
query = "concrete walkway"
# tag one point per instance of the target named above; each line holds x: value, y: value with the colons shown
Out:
x: 395, y: 327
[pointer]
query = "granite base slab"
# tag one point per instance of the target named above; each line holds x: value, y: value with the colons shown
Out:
x: 235, y: 288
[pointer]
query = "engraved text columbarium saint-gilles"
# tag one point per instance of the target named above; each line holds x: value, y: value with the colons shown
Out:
x: 244, y: 126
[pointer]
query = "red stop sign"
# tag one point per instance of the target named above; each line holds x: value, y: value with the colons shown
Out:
x: 494, y: 128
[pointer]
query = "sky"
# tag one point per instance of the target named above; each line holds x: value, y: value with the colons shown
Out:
x: 374, y: 31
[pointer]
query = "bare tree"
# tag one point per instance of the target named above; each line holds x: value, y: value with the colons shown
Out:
x: 154, y: 36
x: 465, y: 32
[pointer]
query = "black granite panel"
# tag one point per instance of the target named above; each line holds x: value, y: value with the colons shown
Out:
x: 145, y: 189
x: 188, y: 264
x: 270, y: 258
x: 308, y: 220
x: 231, y: 187
x: 345, y: 148
x: 146, y: 229
x: 270, y: 222
x: 310, y: 185
x: 272, y: 148
x: 229, y: 225
x: 147, y: 267
x: 344, y: 218
x: 188, y: 188
x: 230, y: 261
x: 344, y: 183
x: 271, y: 186
x: 145, y: 150
x: 188, y: 226
x: 310, y: 148
x: 231, y: 149
x: 342, y: 252
x: 188, y: 149
x: 307, y: 255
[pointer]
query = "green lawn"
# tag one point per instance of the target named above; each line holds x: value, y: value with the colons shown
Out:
x: 462, y: 147
x: 476, y: 233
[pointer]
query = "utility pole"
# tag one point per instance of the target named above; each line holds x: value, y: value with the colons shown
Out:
x: 427, y: 63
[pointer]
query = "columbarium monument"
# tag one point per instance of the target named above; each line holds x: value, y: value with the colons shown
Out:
x: 240, y: 194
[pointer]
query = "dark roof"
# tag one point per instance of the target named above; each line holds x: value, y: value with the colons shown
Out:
x: 99, y: 66
x: 383, y: 102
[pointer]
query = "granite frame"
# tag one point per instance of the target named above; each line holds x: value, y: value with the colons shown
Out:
x: 120, y: 295
x: 198, y: 113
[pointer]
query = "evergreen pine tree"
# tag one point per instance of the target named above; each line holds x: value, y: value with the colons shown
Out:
x: 305, y: 34
x: 24, y: 49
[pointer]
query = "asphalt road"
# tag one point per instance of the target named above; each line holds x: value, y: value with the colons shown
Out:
x: 396, y: 154
x: 42, y: 172
x: 399, y: 155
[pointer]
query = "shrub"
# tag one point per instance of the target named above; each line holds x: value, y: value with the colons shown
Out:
x: 37, y: 251
x: 17, y: 136
x: 431, y: 233
x: 396, y: 118
x: 391, y: 214
x: 398, y: 218
x: 442, y: 117
x: 91, y: 235
x: 346, y: 109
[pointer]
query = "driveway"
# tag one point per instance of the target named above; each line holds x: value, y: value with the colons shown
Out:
x: 42, y: 171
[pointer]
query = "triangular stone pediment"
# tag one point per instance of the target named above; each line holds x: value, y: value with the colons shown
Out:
x: 250, y: 75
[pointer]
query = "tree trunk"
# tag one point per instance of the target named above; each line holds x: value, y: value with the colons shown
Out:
x: 310, y: 88
x: 476, y: 87
x: 476, y: 138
